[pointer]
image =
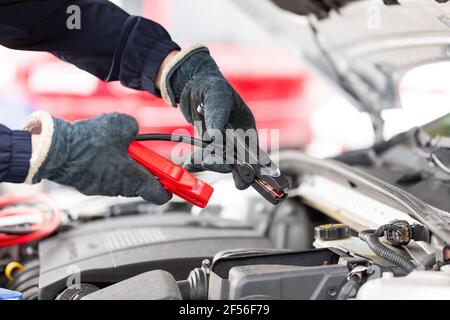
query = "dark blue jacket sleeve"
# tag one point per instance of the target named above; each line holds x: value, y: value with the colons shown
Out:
x: 15, y: 154
x: 110, y: 44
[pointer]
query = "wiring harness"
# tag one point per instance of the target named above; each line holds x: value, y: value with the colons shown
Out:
x: 25, y: 219
x: 397, y: 234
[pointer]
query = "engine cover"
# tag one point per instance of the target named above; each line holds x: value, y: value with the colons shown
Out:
x: 108, y: 251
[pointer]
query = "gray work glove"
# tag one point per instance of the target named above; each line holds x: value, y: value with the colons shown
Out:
x: 91, y: 156
x: 193, y: 79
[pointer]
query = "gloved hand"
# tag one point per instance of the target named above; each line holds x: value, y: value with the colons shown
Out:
x: 192, y: 78
x: 91, y: 156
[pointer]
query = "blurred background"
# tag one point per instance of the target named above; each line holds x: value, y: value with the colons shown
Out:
x: 281, y: 90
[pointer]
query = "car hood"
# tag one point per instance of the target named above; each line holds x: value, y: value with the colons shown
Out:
x: 363, y: 47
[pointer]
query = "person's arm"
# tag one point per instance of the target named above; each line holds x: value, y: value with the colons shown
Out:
x: 53, y: 149
x: 110, y: 43
x: 15, y: 154
x: 113, y: 45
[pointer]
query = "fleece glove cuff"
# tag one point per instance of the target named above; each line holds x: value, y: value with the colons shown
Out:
x: 167, y: 91
x: 40, y: 123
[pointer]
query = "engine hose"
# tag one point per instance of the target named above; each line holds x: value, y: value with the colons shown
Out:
x: 372, y: 239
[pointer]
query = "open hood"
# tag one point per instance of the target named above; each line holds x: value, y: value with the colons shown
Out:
x: 364, y: 47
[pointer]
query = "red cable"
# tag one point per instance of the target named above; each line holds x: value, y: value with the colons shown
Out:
x: 51, y: 218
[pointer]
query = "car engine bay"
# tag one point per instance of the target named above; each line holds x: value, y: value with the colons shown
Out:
x: 307, y: 247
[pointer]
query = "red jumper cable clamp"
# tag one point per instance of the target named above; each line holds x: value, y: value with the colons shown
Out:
x: 172, y: 177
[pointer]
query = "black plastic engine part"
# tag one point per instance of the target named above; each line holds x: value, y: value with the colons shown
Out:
x: 329, y: 232
x: 397, y: 162
x: 291, y: 225
x: 77, y: 292
x: 401, y: 235
x: 314, y: 274
x: 109, y: 251
x: 287, y: 282
x: 320, y: 8
x: 154, y: 285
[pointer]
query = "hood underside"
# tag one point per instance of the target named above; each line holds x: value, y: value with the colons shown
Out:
x: 362, y: 46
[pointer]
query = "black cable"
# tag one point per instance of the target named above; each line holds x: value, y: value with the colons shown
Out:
x: 177, y: 138
x: 181, y: 139
x: 172, y: 138
x: 372, y: 239
x: 16, y: 231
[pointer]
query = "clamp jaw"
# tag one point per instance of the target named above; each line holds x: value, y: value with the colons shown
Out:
x: 257, y: 169
x: 254, y: 166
